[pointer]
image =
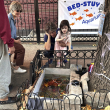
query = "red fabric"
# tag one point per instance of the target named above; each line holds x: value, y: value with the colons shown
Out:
x: 5, y: 31
x: 90, y: 68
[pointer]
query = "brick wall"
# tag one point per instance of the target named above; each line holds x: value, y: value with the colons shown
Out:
x: 47, y: 12
x: 27, y: 18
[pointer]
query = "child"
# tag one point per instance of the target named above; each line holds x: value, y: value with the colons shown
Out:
x: 63, y: 35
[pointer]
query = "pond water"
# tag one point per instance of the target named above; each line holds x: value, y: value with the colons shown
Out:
x: 54, y: 86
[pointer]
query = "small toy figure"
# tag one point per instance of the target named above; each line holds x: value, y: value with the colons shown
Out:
x: 91, y: 67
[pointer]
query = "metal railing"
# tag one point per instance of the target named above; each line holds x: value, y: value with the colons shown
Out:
x: 25, y: 23
x: 98, y: 100
x: 82, y: 57
x: 36, y: 13
x: 94, y: 100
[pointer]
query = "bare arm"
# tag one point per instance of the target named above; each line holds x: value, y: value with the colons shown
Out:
x: 11, y: 50
x: 48, y: 43
x: 58, y: 37
x: 69, y: 45
x: 57, y: 40
x: 69, y: 41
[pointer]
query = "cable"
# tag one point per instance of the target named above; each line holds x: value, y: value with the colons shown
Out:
x: 102, y: 75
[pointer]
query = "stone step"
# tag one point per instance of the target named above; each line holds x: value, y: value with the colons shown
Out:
x: 74, y: 96
x: 74, y: 67
x: 84, y: 86
x: 85, y: 77
x: 8, y: 106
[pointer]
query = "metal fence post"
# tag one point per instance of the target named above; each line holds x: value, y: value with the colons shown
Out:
x: 36, y: 20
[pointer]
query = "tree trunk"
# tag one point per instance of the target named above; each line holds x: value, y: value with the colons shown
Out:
x: 100, y: 76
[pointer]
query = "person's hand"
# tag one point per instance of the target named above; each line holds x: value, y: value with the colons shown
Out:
x: 70, y: 50
x: 11, y: 50
x: 64, y: 38
x: 19, y: 41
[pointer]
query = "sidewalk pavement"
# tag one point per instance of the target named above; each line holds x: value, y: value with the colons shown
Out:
x: 30, y: 51
x: 18, y: 78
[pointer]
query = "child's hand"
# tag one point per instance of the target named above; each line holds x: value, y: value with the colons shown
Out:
x: 64, y: 38
x: 70, y: 50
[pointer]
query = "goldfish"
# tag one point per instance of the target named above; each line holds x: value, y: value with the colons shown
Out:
x: 72, y: 24
x: 52, y: 83
x: 79, y: 18
x: 46, y: 85
x: 87, y: 107
x: 86, y: 10
x: 74, y: 13
x: 89, y: 15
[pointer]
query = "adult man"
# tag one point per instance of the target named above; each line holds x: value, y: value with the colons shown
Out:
x: 5, y: 68
x: 49, y: 39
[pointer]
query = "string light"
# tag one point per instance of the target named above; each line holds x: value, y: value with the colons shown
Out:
x: 102, y: 75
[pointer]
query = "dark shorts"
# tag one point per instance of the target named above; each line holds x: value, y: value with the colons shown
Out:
x: 48, y: 54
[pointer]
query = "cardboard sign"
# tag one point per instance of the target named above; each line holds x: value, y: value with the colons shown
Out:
x: 81, y: 14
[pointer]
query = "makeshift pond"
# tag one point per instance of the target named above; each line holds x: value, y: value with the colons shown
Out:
x: 54, y: 85
x: 53, y: 82
x: 51, y: 86
x: 71, y: 89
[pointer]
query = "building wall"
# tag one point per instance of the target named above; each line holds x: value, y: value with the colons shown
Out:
x: 27, y: 17
x: 47, y: 12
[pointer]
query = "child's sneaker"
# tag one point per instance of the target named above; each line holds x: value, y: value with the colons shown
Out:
x: 58, y: 64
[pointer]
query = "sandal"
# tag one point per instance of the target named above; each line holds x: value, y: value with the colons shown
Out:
x: 10, y: 100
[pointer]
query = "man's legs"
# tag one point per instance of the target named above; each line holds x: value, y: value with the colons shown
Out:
x: 5, y: 75
x: 5, y: 70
